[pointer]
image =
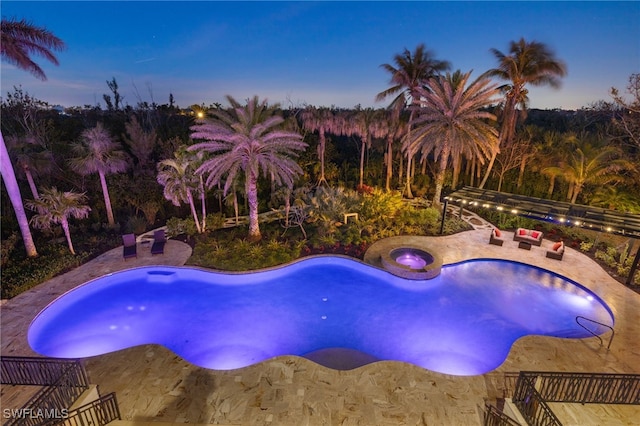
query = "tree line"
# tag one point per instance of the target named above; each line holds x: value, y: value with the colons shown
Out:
x: 440, y: 130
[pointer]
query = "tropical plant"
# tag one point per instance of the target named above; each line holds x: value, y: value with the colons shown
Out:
x: 411, y: 71
x: 98, y: 153
x: 55, y: 206
x: 179, y: 178
x: 591, y: 163
x: 452, y: 121
x: 18, y: 41
x: 527, y: 63
x: 141, y: 142
x: 246, y: 140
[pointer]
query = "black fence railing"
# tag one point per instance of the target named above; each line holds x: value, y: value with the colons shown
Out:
x: 586, y: 388
x: 495, y: 417
x: 37, y: 371
x: 100, y: 412
x: 532, y: 405
x: 51, y: 401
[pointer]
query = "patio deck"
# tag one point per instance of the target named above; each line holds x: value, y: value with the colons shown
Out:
x: 154, y: 385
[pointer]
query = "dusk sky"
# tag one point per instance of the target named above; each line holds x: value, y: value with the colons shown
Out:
x: 318, y: 53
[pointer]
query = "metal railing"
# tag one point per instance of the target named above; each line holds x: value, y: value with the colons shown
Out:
x: 495, y: 417
x: 532, y: 405
x: 579, y: 317
x: 586, y: 388
x: 100, y: 412
x: 38, y: 371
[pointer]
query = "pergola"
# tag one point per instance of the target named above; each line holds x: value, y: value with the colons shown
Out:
x: 559, y: 212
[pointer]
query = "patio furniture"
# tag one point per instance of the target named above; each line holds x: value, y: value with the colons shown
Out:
x: 524, y: 245
x: 528, y: 235
x: 557, y: 251
x: 130, y: 247
x: 159, y: 240
x: 495, y: 237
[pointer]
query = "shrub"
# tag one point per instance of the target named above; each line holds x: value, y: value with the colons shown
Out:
x: 177, y: 226
x: 241, y: 255
x: 586, y: 245
x: 136, y: 225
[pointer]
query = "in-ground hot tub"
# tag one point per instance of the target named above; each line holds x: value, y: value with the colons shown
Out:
x: 414, y: 263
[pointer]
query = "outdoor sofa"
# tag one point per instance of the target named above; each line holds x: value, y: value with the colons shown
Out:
x: 528, y: 236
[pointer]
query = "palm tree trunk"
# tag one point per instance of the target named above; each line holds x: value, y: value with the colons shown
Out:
x: 192, y: 206
x: 252, y: 198
x: 236, y: 208
x: 523, y: 163
x: 407, y: 185
x: 203, y: 204
x: 389, y: 165
x: 489, y: 167
x: 65, y: 227
x: 32, y: 183
x: 364, y: 142
x: 409, y: 158
x: 552, y: 183
x: 444, y: 157
x: 321, y: 150
x: 107, y: 199
x: 13, y: 190
x: 508, y: 128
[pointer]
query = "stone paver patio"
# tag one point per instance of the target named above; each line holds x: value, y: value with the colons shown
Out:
x: 154, y: 385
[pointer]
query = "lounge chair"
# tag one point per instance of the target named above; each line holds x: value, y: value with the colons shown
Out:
x: 130, y: 247
x: 557, y: 251
x: 159, y: 240
x: 495, y: 237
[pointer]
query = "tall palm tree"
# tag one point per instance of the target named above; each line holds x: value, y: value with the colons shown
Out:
x: 528, y: 63
x: 452, y: 121
x: 321, y: 120
x: 247, y: 140
x: 411, y: 72
x: 363, y: 123
x: 98, y: 153
x: 18, y: 41
x: 55, y: 206
x: 177, y: 176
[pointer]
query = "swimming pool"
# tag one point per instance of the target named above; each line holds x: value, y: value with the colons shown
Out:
x: 462, y: 322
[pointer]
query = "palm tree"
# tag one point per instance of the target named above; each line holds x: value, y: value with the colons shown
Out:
x: 591, y: 163
x: 31, y: 157
x: 411, y: 71
x: 54, y: 206
x: 363, y: 123
x: 527, y: 63
x: 177, y: 176
x: 98, y: 153
x: 248, y: 140
x: 321, y: 120
x: 18, y: 41
x: 452, y: 121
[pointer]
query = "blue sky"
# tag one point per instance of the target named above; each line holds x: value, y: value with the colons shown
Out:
x: 318, y: 53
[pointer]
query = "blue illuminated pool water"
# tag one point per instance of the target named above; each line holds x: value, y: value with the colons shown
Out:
x: 462, y: 322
